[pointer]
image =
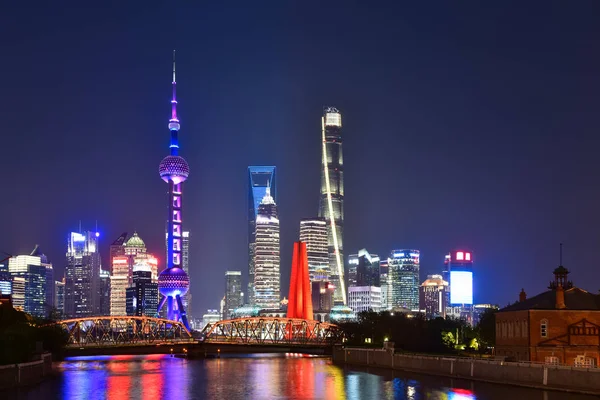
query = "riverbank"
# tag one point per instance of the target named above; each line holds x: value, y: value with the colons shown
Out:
x: 15, y: 375
x: 539, y: 376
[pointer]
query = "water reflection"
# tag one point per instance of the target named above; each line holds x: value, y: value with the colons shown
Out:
x: 255, y: 377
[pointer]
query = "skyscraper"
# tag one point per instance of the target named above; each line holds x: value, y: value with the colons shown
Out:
x: 385, y: 286
x: 49, y: 303
x: 82, y: 275
x: 259, y: 178
x: 313, y: 232
x: 59, y: 296
x: 367, y: 270
x: 233, y: 292
x: 33, y: 274
x: 460, y: 269
x: 267, y: 289
x: 142, y: 295
x: 185, y: 257
x: 173, y: 282
x: 104, y: 292
x: 433, y: 296
x: 403, y: 279
x: 5, y: 280
x: 121, y: 277
x: 331, y: 203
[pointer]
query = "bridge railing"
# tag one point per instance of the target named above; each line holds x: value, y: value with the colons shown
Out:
x: 273, y: 330
x: 122, y: 330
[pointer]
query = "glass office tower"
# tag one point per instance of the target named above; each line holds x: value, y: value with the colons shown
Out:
x: 259, y: 178
x: 82, y: 275
x: 403, y: 279
x: 331, y: 202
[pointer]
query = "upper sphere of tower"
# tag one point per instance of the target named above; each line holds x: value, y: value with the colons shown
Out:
x: 174, y: 168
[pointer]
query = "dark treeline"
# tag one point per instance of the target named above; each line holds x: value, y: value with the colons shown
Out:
x: 415, y: 333
x: 23, y: 337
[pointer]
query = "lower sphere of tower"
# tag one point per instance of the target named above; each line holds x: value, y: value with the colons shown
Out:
x: 173, y: 281
x: 174, y: 168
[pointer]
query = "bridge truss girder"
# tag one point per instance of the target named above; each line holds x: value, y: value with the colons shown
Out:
x: 272, y: 330
x: 122, y: 330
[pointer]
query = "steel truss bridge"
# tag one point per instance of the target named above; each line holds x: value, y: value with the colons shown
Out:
x: 273, y: 331
x: 123, y: 330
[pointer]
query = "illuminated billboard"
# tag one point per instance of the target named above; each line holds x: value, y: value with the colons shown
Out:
x: 461, y: 287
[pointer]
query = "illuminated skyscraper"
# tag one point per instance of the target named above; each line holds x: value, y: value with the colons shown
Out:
x: 259, y: 178
x: 433, y: 296
x: 59, y: 296
x: 460, y: 268
x: 104, y: 292
x: 173, y: 282
x: 185, y: 256
x: 267, y: 289
x: 32, y: 271
x: 123, y: 262
x: 403, y: 279
x: 233, y: 293
x: 364, y: 298
x: 142, y: 295
x: 385, y: 287
x: 82, y: 275
x: 49, y: 287
x: 313, y: 232
x: 5, y: 280
x: 331, y: 203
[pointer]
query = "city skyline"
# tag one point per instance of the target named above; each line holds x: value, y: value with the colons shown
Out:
x: 479, y: 154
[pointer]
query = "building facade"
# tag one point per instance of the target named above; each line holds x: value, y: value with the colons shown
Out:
x: 458, y: 266
x: 59, y: 296
x: 267, y: 276
x: 82, y: 275
x: 313, y: 232
x: 29, y: 271
x: 233, y: 293
x: 403, y: 279
x: 384, y: 282
x: 558, y: 326
x: 331, y: 201
x: 322, y: 296
x: 259, y: 178
x: 142, y: 295
x: 433, y: 296
x: 104, y: 292
x: 364, y: 298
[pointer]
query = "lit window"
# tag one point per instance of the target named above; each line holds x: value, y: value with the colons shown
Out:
x: 460, y: 255
x: 544, y: 328
x: 468, y: 256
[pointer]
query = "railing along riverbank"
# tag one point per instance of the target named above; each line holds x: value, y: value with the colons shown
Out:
x: 547, y: 376
x: 23, y: 374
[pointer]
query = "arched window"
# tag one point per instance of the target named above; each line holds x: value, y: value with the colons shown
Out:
x: 544, y: 328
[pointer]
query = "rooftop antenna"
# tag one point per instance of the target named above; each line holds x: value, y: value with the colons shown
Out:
x: 560, y: 254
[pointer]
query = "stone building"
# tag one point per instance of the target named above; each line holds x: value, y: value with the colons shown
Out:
x: 558, y: 326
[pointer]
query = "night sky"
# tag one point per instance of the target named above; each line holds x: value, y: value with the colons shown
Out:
x: 471, y: 124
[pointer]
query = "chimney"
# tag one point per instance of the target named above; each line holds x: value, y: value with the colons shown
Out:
x: 522, y: 296
x: 560, y: 298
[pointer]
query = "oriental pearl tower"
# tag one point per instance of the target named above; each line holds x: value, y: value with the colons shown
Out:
x: 173, y: 282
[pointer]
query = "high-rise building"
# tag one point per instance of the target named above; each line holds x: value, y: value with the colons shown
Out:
x: 173, y: 282
x: 331, y: 203
x: 18, y: 292
x: 403, y: 279
x: 352, y: 269
x: 104, y: 292
x: 59, y: 296
x: 259, y: 178
x: 5, y: 280
x: 82, y: 275
x: 364, y: 298
x: 125, y: 254
x: 385, y: 287
x: 142, y: 295
x: 460, y: 269
x: 367, y: 270
x: 185, y: 262
x: 322, y: 295
x: 432, y: 296
x: 313, y: 232
x: 233, y: 293
x: 49, y: 303
x: 33, y: 272
x: 267, y: 278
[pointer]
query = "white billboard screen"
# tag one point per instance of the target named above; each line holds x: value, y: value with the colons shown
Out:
x: 461, y: 287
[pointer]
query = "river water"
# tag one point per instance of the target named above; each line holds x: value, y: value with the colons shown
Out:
x: 261, y: 376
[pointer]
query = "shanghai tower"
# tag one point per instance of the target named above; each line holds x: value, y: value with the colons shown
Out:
x: 173, y: 282
x: 331, y: 201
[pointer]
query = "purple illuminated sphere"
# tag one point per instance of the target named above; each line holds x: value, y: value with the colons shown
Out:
x: 174, y: 168
x: 173, y: 281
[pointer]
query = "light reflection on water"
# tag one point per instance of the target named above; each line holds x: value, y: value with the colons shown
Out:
x: 156, y: 377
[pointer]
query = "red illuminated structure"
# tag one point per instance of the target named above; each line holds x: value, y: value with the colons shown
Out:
x: 300, y: 301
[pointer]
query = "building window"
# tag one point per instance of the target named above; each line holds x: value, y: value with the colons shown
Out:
x: 544, y: 328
